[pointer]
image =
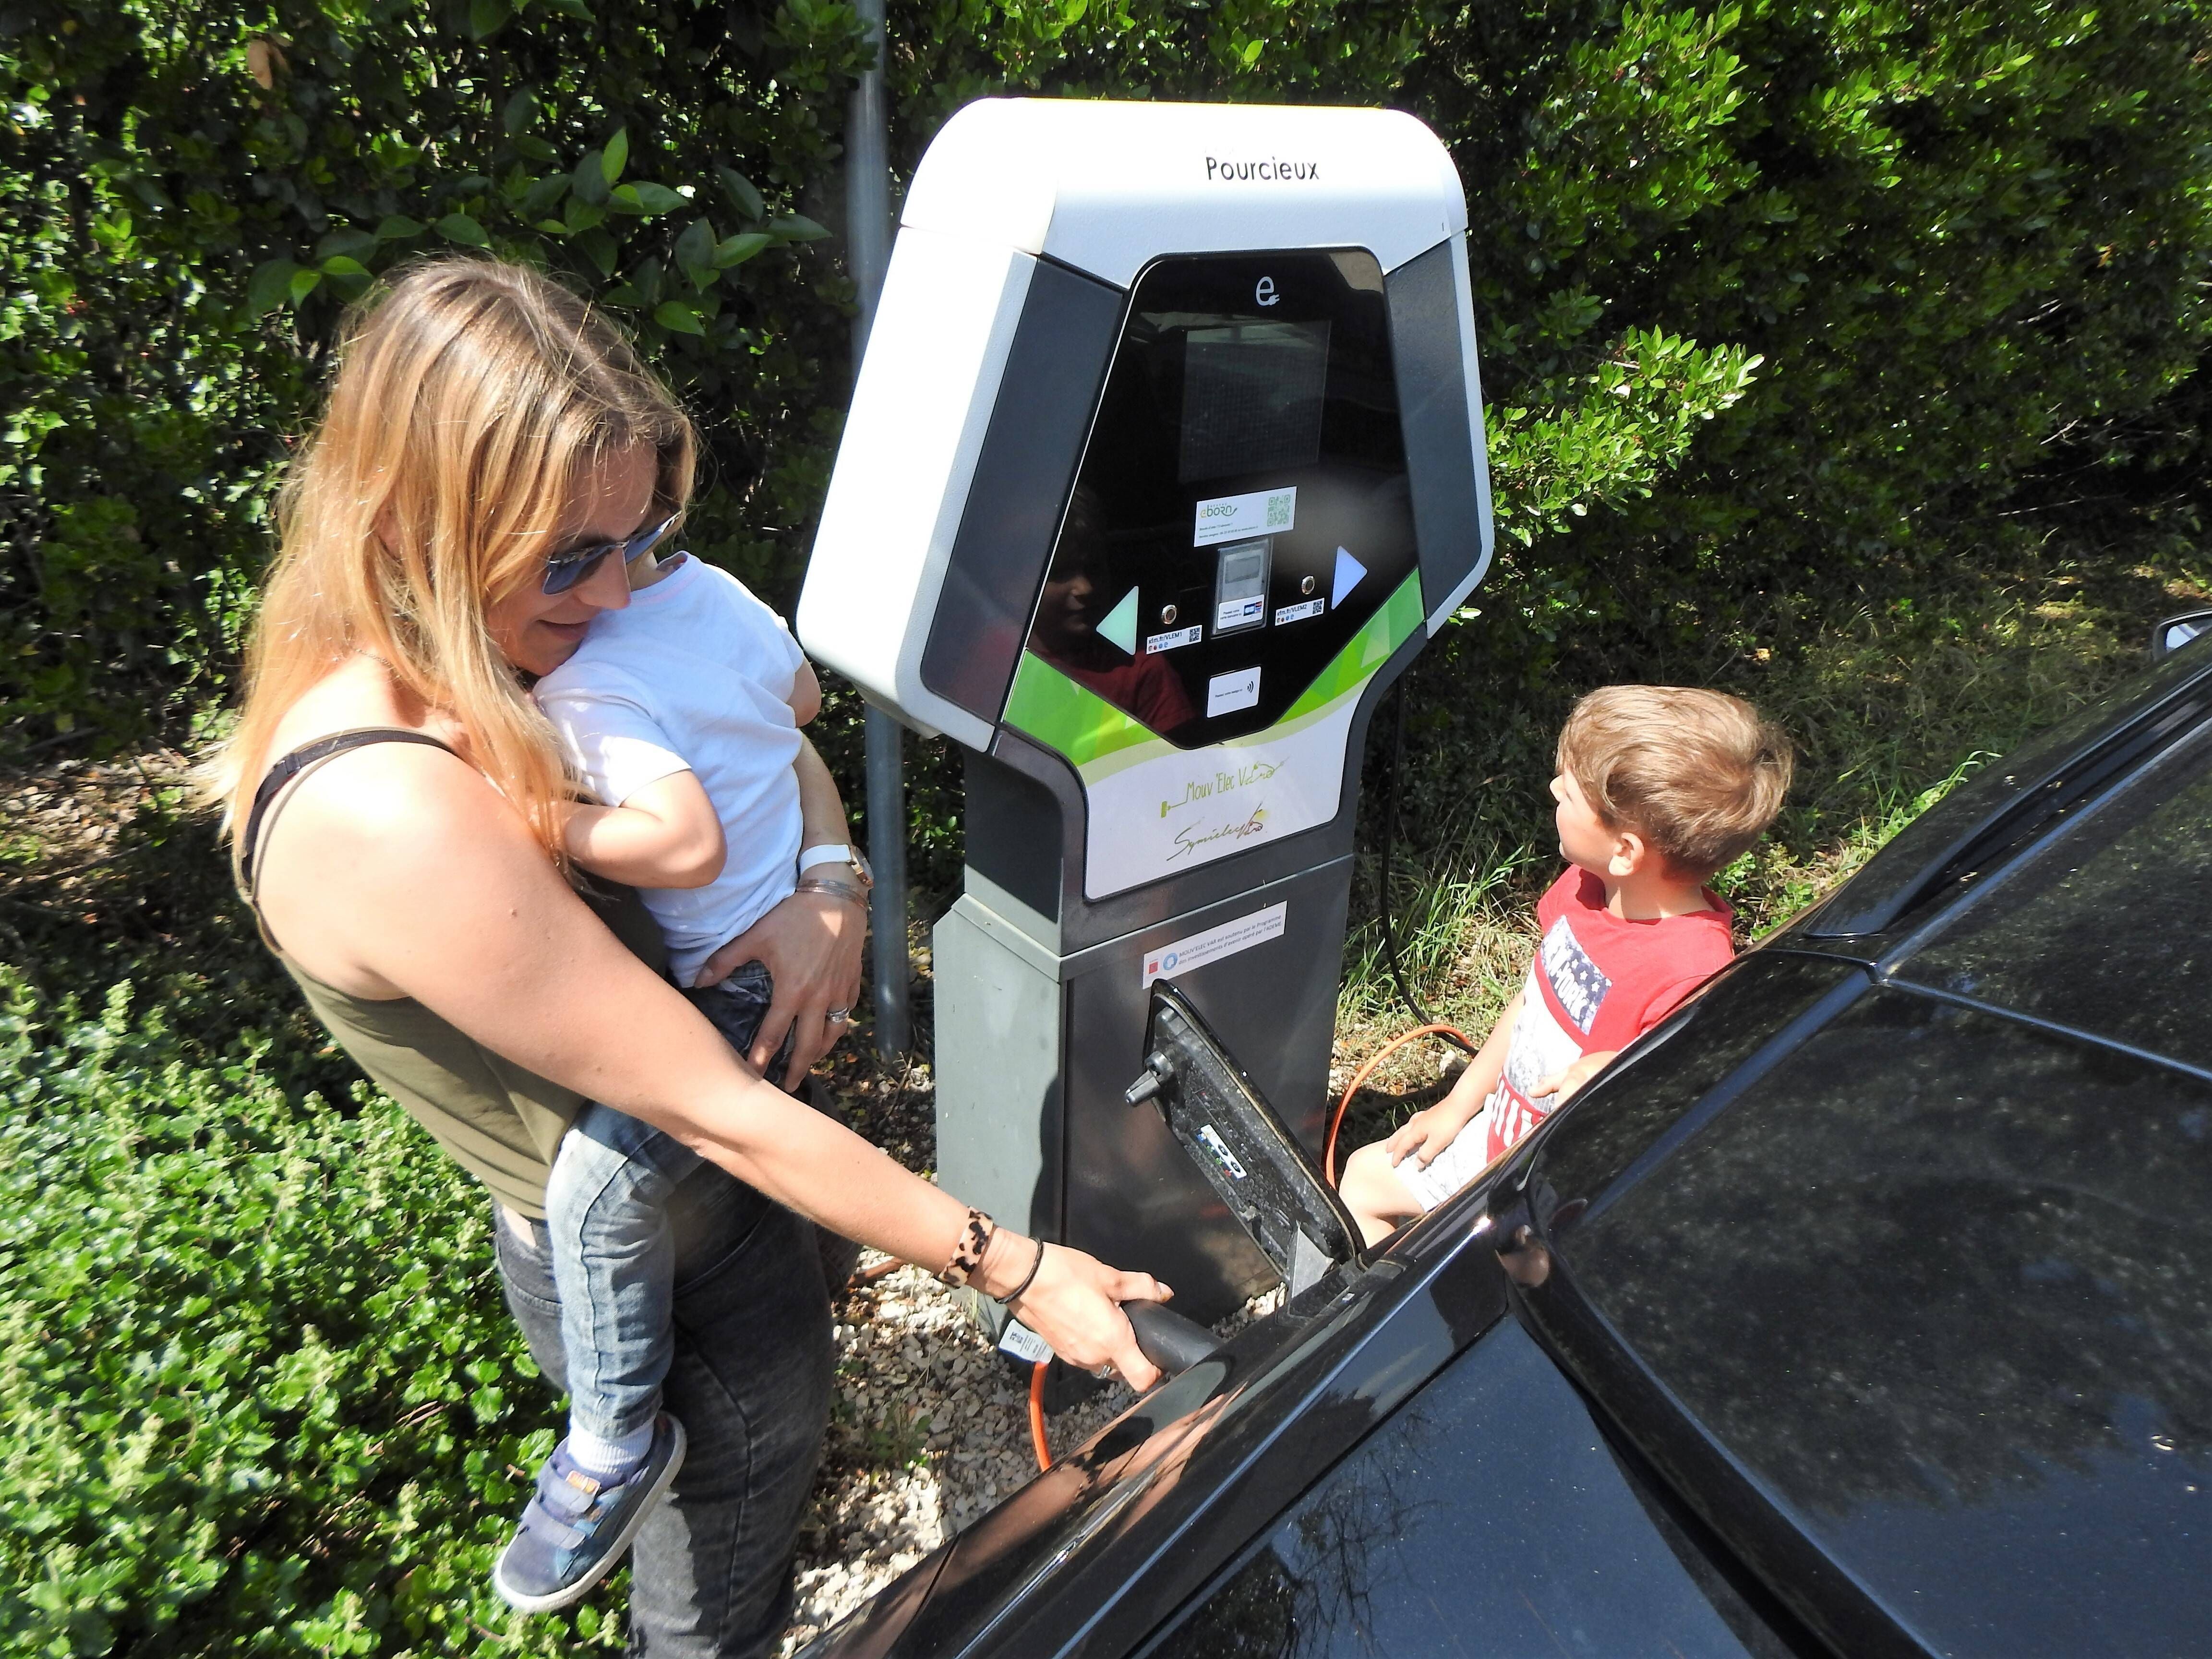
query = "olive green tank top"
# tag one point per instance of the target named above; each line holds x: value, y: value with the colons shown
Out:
x: 500, y: 1122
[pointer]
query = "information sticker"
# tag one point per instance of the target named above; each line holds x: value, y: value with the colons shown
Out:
x: 1290, y: 613
x: 1231, y: 518
x: 1225, y: 693
x: 1158, y: 642
x: 1215, y: 942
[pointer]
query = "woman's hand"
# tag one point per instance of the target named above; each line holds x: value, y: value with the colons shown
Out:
x: 1074, y: 1305
x: 812, y: 945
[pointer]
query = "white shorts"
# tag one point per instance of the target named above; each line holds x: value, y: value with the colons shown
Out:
x: 1452, y: 1168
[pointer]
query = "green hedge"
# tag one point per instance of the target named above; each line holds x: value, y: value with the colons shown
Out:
x: 258, y: 1392
x: 1769, y: 294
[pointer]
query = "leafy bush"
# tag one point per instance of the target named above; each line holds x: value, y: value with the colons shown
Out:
x: 194, y: 191
x: 1955, y: 233
x: 258, y: 1392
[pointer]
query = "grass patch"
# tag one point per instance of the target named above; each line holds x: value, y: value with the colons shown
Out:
x: 1893, y: 698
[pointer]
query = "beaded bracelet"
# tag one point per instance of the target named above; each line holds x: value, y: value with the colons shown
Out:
x: 967, y: 1254
x: 1027, y: 1279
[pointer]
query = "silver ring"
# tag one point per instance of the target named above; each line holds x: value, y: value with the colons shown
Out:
x: 838, y: 1016
x: 1104, y: 1373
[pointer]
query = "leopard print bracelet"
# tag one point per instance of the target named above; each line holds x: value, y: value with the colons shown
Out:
x: 967, y: 1254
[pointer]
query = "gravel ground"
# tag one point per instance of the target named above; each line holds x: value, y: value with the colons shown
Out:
x: 930, y: 1429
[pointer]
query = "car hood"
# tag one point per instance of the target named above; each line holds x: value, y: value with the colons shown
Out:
x: 1091, y: 1555
x: 1912, y: 1302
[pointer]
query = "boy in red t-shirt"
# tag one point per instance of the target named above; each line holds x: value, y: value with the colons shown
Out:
x: 1658, y: 787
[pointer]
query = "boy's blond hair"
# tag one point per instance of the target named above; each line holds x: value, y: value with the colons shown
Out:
x: 1699, y: 774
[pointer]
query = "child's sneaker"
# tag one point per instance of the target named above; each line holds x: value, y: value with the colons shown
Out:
x: 575, y: 1529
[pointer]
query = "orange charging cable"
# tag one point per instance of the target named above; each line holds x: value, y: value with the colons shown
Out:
x: 1037, y: 1417
x: 1336, y: 1118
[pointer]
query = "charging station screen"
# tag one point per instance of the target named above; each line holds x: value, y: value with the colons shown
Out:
x: 1252, y: 398
x: 1241, y: 510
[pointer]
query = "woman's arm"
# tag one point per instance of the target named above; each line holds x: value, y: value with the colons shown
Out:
x: 399, y: 872
x: 820, y: 806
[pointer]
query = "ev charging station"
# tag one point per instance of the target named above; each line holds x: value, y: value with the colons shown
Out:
x: 1165, y: 459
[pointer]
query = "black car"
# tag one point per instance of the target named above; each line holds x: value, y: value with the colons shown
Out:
x: 1865, y: 1306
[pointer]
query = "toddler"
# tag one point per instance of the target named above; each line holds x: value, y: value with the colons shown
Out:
x: 683, y: 713
x: 1658, y: 786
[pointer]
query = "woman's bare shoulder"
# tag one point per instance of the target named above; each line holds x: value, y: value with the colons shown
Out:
x: 370, y: 835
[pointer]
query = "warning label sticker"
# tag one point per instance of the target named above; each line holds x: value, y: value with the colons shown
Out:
x: 1215, y: 942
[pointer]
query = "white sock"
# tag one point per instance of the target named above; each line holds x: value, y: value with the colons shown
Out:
x: 606, y: 1459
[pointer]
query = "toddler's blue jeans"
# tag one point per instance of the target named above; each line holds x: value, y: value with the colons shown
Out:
x: 749, y: 1377
x: 606, y: 1218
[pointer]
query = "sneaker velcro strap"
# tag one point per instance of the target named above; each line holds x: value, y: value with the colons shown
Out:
x: 538, y: 1519
x: 560, y: 1496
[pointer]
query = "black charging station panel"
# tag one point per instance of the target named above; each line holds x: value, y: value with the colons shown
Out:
x: 1230, y: 1132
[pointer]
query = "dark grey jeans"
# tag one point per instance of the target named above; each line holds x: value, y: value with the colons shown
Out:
x: 749, y: 1381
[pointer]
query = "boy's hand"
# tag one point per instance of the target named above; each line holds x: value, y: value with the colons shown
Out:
x: 1426, y: 1133
x: 1566, y: 1084
x: 1429, y: 1131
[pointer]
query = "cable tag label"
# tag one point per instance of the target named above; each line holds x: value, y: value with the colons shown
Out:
x: 1024, y: 1343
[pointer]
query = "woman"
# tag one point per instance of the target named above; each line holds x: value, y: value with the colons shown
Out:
x: 397, y: 800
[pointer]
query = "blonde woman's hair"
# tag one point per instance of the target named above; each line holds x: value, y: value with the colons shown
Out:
x: 472, y: 398
x: 1699, y: 774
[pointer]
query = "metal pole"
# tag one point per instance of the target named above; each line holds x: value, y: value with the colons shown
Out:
x: 868, y: 240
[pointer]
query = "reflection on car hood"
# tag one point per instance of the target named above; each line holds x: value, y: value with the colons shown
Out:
x: 1092, y: 1555
x: 1913, y: 1301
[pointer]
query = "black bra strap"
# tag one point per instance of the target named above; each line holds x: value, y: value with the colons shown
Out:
x: 305, y: 756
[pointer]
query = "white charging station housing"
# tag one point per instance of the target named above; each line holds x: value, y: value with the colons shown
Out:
x: 1103, y: 189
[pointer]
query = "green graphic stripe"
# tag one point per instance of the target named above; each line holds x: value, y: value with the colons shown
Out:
x: 1366, y: 651
x: 1082, y: 725
x: 1068, y: 716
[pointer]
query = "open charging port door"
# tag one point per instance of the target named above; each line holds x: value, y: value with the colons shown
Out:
x: 1224, y: 1124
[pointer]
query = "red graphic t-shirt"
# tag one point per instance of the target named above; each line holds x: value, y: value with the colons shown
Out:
x: 1597, y: 983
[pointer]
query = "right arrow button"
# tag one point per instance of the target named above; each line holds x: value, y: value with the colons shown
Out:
x: 1349, y: 571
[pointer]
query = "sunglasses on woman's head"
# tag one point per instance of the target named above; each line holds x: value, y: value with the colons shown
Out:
x: 564, y: 570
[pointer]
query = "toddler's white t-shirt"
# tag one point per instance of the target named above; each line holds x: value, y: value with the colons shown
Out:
x: 695, y: 675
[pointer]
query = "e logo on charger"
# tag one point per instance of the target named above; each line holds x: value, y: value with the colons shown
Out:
x: 1264, y: 293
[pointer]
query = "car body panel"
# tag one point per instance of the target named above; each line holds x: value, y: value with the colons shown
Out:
x: 1490, y: 1515
x: 1151, y: 1507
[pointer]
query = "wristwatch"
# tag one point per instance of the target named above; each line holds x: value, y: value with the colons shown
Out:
x: 838, y: 853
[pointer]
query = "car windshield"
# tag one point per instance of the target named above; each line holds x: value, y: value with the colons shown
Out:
x: 1938, y: 1285
x: 2109, y: 928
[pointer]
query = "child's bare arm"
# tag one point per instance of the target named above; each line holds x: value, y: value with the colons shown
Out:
x: 1427, y: 1133
x: 664, y: 834
x: 805, y: 699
